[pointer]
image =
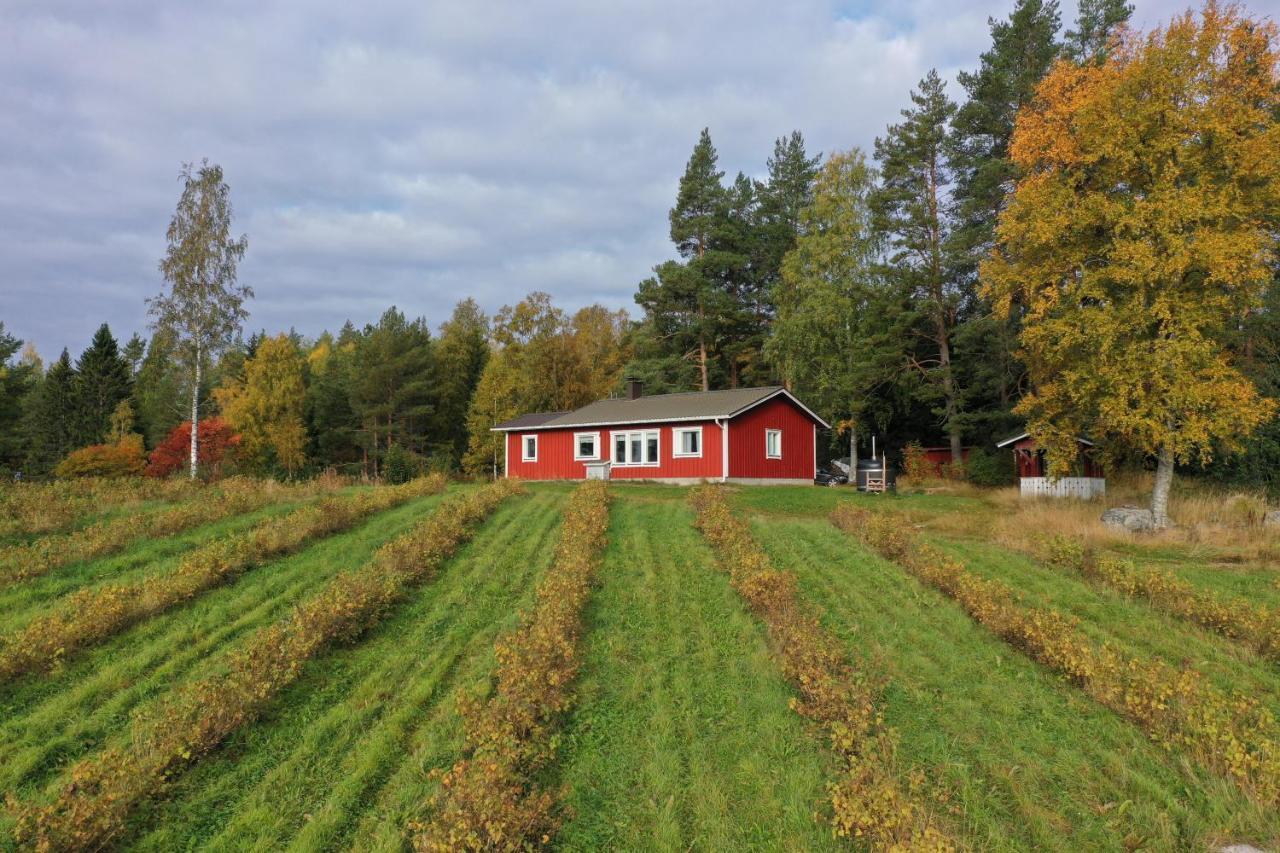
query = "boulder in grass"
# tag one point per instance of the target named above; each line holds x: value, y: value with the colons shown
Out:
x: 1271, y: 519
x: 1134, y: 519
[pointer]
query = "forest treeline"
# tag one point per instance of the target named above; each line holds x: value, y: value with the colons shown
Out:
x: 861, y: 280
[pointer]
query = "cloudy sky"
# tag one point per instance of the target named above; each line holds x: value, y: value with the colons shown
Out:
x: 416, y: 153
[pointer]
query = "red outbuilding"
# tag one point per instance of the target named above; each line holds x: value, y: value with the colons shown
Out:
x: 1086, y: 479
x: 743, y: 435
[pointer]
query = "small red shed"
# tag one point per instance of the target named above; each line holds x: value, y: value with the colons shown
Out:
x: 1087, y: 479
x: 744, y: 435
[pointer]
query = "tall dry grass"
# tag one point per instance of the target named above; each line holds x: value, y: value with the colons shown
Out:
x: 1211, y: 522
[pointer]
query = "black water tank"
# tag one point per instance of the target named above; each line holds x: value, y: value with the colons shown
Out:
x: 874, y: 467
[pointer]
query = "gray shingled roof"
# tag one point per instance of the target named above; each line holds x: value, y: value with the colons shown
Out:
x: 688, y: 406
x: 532, y: 419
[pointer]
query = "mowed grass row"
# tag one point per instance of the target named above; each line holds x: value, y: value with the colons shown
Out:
x: 343, y: 759
x: 1021, y: 759
x: 1131, y: 624
x: 49, y: 722
x: 22, y: 602
x: 682, y: 737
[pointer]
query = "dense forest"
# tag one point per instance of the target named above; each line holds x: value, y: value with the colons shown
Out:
x: 860, y: 280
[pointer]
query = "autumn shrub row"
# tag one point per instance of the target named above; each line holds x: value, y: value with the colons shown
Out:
x: 91, y: 810
x: 492, y: 799
x: 46, y: 507
x: 232, y: 497
x: 1253, y: 625
x: 868, y: 801
x: 96, y: 613
x: 1234, y: 734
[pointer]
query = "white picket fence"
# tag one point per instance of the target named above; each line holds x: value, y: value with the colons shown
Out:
x: 1067, y: 487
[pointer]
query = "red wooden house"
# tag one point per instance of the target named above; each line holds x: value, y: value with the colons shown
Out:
x: 1087, y: 480
x: 745, y: 435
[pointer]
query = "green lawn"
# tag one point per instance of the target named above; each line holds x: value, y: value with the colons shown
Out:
x: 681, y: 736
x: 1015, y: 756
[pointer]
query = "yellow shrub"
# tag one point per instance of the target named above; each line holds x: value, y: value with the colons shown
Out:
x: 490, y: 800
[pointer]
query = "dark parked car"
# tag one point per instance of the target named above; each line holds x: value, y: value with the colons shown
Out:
x: 825, y: 477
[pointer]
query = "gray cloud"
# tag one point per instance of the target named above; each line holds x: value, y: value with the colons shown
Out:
x: 418, y: 153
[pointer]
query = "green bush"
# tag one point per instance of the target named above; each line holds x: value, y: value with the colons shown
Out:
x: 401, y: 465
x: 985, y: 468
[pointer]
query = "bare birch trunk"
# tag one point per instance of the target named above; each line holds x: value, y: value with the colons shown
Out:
x: 1160, y: 493
x: 195, y: 420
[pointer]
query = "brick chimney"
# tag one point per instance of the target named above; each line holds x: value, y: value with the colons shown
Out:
x: 635, y: 387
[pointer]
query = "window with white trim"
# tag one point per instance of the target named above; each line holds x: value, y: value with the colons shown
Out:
x: 586, y: 446
x: 686, y: 441
x: 529, y: 448
x: 773, y: 444
x: 636, y: 448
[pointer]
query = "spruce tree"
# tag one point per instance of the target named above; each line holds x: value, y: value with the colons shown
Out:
x: 102, y: 381
x: 51, y: 419
x: 910, y: 211
x: 17, y: 379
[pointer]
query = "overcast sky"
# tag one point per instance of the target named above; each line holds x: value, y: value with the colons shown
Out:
x: 417, y: 153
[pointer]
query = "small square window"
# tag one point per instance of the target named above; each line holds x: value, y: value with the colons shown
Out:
x: 773, y: 443
x: 586, y: 445
x: 530, y: 445
x: 688, y: 441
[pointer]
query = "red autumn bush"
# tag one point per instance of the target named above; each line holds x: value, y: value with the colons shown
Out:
x: 867, y: 801
x: 91, y: 812
x: 96, y: 613
x: 123, y: 459
x: 491, y: 800
x: 174, y: 453
x: 1232, y: 733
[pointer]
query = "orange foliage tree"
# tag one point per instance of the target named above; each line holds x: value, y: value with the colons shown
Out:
x: 216, y: 438
x: 1145, y: 227
x: 123, y: 458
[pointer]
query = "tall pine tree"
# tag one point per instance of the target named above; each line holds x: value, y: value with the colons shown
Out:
x: 1023, y: 48
x: 1096, y: 21
x: 681, y: 300
x: 910, y: 210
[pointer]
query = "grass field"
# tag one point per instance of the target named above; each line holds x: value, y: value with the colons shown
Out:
x: 681, y: 735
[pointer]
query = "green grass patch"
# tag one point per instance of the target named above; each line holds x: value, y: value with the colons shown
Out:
x: 1131, y: 624
x: 682, y: 738
x: 1016, y: 757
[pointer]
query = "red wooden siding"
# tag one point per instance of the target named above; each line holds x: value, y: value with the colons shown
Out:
x: 746, y: 442
x: 556, y: 462
x: 1031, y: 462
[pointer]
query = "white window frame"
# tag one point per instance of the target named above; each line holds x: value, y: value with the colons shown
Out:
x: 767, y: 434
x: 628, y: 436
x: 677, y: 442
x: 595, y: 443
x: 524, y: 447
